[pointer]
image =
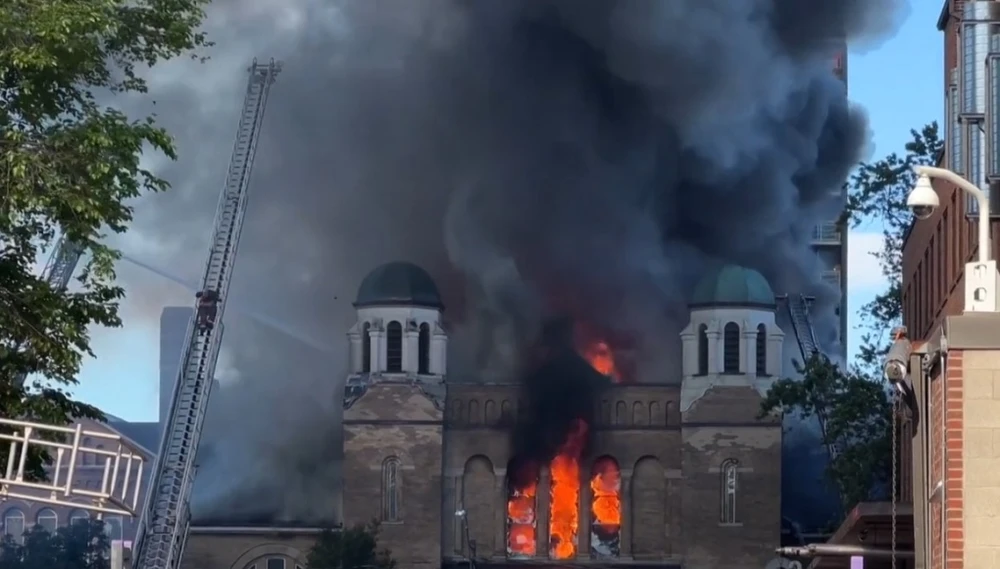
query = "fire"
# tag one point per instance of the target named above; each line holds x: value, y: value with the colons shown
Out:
x: 521, y: 518
x: 602, y: 359
x: 564, y: 496
x: 605, y: 486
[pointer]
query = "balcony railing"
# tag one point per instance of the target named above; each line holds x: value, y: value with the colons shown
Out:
x: 832, y: 277
x: 826, y: 234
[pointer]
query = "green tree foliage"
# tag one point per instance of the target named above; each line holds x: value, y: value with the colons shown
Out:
x: 69, y: 165
x: 351, y: 548
x: 853, y: 406
x: 83, y: 545
x: 877, y: 198
x: 853, y: 412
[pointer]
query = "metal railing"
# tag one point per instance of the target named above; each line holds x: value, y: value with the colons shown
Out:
x: 120, y: 482
x: 826, y: 234
x: 832, y: 277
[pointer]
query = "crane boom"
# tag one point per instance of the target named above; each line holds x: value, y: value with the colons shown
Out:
x: 165, y: 519
x: 57, y: 273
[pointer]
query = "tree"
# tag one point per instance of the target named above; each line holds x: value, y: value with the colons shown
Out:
x: 68, y: 166
x: 82, y: 545
x: 854, y: 414
x: 850, y: 402
x: 877, y: 195
x: 349, y: 548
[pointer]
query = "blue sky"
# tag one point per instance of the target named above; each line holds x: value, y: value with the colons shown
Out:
x: 884, y: 79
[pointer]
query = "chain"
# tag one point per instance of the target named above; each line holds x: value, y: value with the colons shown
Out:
x: 895, y: 469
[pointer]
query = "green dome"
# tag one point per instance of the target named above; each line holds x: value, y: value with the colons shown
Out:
x: 398, y: 283
x: 733, y: 286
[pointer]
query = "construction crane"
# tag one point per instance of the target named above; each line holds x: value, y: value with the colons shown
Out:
x: 164, y: 519
x: 57, y: 273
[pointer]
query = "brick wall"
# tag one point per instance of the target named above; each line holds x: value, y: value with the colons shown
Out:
x: 977, y: 504
x: 953, y: 462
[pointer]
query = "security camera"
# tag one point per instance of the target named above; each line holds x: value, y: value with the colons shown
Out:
x: 923, y: 200
x: 897, y: 360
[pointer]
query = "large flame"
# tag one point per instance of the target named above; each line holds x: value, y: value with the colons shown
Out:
x: 605, y: 487
x: 602, y: 359
x: 521, y: 519
x: 564, y: 495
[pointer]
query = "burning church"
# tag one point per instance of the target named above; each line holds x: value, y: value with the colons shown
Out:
x: 568, y: 460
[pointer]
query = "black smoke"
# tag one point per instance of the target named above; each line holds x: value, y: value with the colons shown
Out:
x: 559, y: 391
x: 587, y: 153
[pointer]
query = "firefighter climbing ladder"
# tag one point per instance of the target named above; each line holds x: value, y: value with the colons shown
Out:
x: 165, y: 519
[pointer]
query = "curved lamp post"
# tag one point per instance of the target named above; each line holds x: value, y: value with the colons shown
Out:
x: 981, y: 278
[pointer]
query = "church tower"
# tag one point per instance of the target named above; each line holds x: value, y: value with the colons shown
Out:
x: 730, y: 456
x: 393, y: 413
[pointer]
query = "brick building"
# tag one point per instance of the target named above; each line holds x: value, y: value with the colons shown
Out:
x: 680, y: 473
x: 954, y: 481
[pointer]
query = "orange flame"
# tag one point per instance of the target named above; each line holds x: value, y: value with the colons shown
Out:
x: 605, y: 485
x: 521, y: 520
x: 564, y: 495
x: 602, y: 359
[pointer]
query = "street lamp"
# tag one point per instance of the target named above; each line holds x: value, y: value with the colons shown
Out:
x: 981, y: 277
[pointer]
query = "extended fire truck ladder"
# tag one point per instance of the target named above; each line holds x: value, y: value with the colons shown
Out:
x: 798, y: 306
x: 798, y: 313
x: 164, y: 523
x: 57, y: 273
x: 164, y: 519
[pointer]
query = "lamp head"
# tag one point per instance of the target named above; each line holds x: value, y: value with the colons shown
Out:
x: 923, y: 200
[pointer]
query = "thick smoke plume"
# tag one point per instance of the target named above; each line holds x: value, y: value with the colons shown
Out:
x: 559, y: 390
x: 587, y: 157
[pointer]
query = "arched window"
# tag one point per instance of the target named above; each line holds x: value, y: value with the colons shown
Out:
x: 605, y: 508
x: 47, y: 519
x: 394, y: 347
x: 366, y: 347
x: 78, y: 516
x: 761, y: 349
x: 703, y: 350
x: 390, y: 489
x: 424, y: 349
x: 729, y: 482
x: 731, y: 348
x: 13, y: 524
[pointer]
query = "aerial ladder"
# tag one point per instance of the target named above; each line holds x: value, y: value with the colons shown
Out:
x: 164, y: 519
x: 797, y: 306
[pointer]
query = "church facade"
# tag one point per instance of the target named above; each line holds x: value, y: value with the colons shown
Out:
x: 681, y: 473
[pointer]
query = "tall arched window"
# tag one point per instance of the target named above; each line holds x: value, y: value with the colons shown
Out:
x: 424, y: 349
x: 391, y: 491
x: 394, y: 347
x: 13, y: 524
x: 731, y: 348
x: 366, y: 347
x: 47, y: 519
x: 78, y: 516
x: 729, y: 479
x: 703, y: 350
x: 761, y: 350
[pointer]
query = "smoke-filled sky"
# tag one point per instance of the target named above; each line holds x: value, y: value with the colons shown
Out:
x: 520, y: 150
